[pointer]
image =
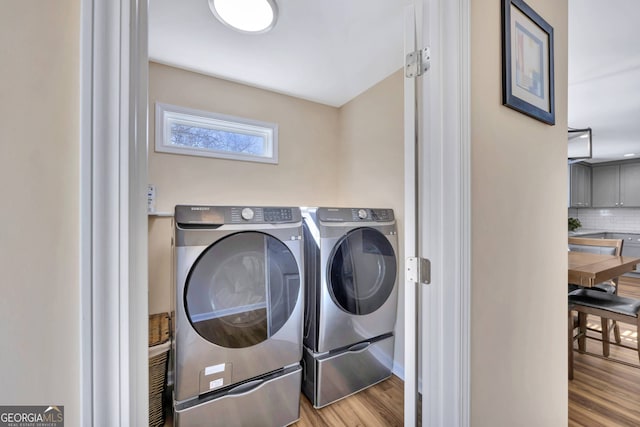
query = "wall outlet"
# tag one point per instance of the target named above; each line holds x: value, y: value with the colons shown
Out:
x: 151, y: 198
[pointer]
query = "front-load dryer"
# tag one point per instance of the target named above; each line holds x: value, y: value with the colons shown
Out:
x: 351, y: 300
x: 351, y: 276
x: 239, y: 313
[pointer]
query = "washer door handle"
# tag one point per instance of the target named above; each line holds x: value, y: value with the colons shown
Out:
x: 359, y: 347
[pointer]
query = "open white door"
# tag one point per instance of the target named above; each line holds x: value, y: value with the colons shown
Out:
x: 437, y: 203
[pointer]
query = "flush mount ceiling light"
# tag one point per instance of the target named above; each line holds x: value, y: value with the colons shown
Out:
x: 247, y: 16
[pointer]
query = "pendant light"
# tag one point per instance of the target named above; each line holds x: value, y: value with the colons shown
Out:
x: 246, y: 16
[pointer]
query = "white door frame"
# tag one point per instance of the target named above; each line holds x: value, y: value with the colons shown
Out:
x: 113, y: 235
x: 441, y: 319
x: 113, y: 238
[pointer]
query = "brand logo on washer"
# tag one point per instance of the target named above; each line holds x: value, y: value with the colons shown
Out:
x: 200, y: 208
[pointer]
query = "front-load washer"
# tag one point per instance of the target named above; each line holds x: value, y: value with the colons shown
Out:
x: 351, y: 300
x: 238, y: 314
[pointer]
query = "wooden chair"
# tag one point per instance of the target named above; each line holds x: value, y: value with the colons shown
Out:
x: 620, y: 309
x: 599, y: 246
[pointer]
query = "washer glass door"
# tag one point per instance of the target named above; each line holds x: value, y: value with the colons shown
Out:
x: 242, y: 289
x: 362, y: 271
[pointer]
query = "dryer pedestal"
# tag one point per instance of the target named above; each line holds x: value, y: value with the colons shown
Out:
x: 331, y: 376
x: 272, y: 400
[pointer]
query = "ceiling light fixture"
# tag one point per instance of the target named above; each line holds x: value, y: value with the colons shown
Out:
x: 629, y: 155
x: 247, y: 16
x: 580, y: 145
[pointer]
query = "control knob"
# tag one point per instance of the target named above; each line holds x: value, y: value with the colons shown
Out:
x: 362, y: 214
x: 247, y: 214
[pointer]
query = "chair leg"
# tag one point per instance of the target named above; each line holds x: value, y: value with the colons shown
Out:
x: 605, y: 336
x: 616, y: 332
x: 582, y: 322
x: 638, y: 334
x: 570, y: 349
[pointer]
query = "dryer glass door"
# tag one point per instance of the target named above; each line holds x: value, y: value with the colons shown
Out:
x: 362, y: 271
x: 242, y: 289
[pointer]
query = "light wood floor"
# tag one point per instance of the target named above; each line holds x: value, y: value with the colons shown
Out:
x: 605, y: 393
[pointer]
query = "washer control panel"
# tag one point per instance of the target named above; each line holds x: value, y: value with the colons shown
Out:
x: 264, y: 215
x: 209, y: 216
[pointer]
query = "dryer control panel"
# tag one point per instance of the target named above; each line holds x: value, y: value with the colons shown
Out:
x: 355, y: 215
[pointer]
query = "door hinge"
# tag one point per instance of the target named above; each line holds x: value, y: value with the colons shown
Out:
x: 418, y: 270
x: 418, y: 62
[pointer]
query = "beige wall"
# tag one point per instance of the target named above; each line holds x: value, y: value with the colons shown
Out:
x: 39, y: 164
x: 371, y: 155
x: 305, y: 174
x: 518, y: 307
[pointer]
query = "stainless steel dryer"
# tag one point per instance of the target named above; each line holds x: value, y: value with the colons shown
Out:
x: 239, y: 313
x: 351, y: 300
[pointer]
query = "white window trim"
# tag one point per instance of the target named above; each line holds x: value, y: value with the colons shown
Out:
x: 217, y: 121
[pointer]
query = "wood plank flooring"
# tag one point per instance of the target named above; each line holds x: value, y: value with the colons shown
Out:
x: 605, y: 393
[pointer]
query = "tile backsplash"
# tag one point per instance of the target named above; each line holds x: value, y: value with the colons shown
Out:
x: 616, y: 219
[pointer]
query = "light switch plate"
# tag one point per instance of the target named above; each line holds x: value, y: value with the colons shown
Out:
x: 151, y: 198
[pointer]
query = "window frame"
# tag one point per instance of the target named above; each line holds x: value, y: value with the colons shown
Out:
x: 216, y: 121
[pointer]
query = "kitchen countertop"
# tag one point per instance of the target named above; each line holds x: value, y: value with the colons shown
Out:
x: 582, y: 231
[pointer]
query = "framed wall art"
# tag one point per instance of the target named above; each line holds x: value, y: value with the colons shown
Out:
x: 527, y: 62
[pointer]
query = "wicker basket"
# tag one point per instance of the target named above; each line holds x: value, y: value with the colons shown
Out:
x: 158, y: 328
x: 158, y: 356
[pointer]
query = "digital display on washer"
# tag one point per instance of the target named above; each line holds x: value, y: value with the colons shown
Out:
x: 242, y: 289
x: 277, y: 214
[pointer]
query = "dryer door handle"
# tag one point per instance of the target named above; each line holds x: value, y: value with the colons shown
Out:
x: 359, y: 347
x: 245, y: 388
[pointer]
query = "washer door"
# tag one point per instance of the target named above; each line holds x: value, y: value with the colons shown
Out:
x: 242, y: 289
x: 362, y: 271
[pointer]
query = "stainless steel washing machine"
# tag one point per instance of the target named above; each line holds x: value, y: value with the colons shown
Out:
x: 351, y: 300
x: 239, y: 313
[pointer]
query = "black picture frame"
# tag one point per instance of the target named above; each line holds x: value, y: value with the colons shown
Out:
x: 527, y: 62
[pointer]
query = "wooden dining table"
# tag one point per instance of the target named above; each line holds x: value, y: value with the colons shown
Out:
x: 587, y: 269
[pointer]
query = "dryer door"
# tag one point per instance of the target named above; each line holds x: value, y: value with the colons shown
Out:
x: 362, y: 271
x: 242, y: 289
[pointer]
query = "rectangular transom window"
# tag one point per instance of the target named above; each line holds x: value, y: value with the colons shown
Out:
x: 192, y: 132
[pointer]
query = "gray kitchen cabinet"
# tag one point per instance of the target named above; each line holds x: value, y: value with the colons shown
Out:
x: 615, y: 186
x: 630, y: 184
x: 579, y: 186
x: 605, y: 186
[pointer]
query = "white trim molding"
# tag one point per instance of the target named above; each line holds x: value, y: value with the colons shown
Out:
x: 445, y: 214
x: 411, y: 339
x: 113, y: 241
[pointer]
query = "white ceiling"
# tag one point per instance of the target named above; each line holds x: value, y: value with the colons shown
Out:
x: 326, y: 51
x: 330, y: 51
x: 604, y: 74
